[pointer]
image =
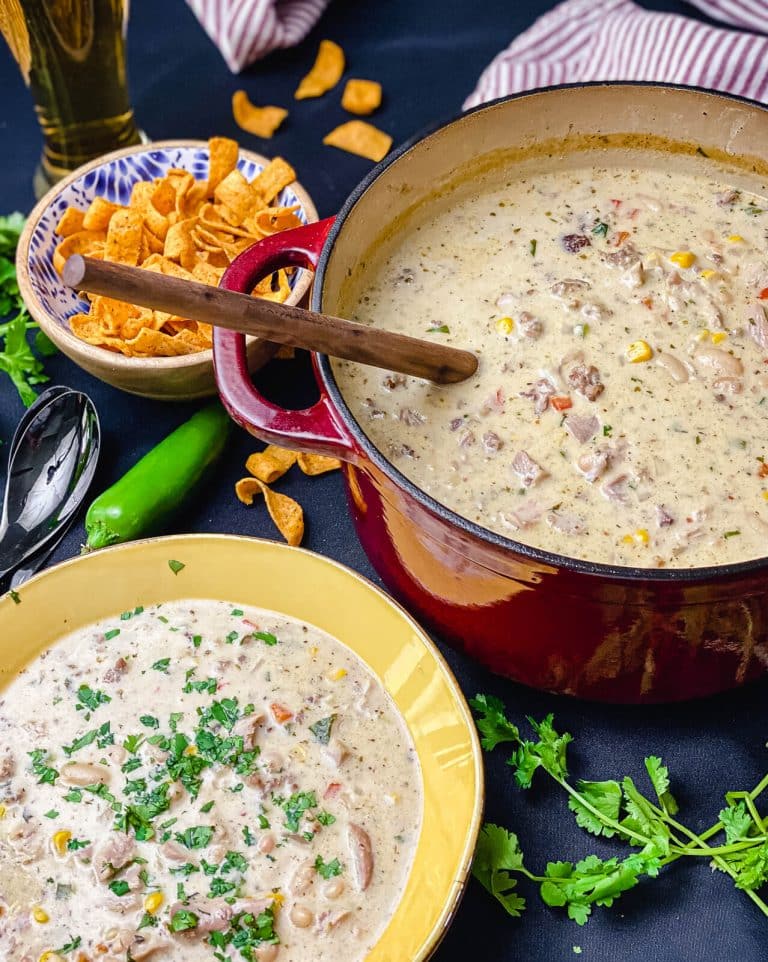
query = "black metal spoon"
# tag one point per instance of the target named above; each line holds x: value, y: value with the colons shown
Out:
x: 52, y: 462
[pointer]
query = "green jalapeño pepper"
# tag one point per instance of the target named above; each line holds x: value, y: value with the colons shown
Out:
x: 151, y: 492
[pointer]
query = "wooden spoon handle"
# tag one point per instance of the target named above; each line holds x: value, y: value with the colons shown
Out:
x: 283, y: 323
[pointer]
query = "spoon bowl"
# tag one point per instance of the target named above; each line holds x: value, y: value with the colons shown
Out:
x: 52, y: 463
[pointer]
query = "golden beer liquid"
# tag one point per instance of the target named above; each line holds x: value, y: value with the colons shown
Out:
x: 72, y: 56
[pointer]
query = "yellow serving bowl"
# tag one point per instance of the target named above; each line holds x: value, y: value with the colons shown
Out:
x: 319, y: 591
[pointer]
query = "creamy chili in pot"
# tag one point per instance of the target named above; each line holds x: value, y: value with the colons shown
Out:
x: 201, y: 782
x: 620, y: 409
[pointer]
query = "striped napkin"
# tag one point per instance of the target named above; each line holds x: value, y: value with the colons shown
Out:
x: 245, y: 30
x: 583, y: 40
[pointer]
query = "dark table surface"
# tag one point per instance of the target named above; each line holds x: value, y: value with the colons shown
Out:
x: 428, y: 56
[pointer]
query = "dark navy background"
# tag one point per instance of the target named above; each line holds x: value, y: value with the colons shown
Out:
x: 428, y: 55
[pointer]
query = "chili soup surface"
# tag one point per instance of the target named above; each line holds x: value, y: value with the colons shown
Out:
x: 619, y: 413
x: 198, y: 781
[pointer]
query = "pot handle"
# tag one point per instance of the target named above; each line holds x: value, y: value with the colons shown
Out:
x: 317, y: 428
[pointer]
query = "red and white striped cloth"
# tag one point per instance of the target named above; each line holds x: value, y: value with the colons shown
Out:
x: 582, y: 40
x: 245, y: 30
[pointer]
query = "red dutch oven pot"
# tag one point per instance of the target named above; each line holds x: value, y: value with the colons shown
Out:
x: 552, y: 622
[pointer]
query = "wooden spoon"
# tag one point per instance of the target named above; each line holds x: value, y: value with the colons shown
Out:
x: 283, y: 323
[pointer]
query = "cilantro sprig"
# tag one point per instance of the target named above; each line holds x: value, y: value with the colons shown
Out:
x: 17, y: 358
x: 616, y: 810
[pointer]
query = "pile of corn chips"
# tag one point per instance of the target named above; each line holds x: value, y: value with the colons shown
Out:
x: 179, y: 226
x: 359, y: 97
x: 266, y: 467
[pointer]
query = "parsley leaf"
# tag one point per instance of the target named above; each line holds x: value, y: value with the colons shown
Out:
x: 176, y: 566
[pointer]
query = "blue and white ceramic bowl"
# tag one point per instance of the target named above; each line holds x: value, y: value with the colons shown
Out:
x: 51, y: 304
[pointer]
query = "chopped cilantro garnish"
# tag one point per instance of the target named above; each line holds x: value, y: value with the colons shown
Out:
x: 221, y: 886
x: 52, y: 813
x: 132, y: 743
x: 263, y: 821
x: 119, y: 887
x: 102, y: 736
x: 199, y: 836
x: 226, y: 712
x: 187, y: 869
x: 70, y: 946
x: 74, y: 795
x: 162, y: 665
x: 295, y: 807
x: 183, y: 920
x: 266, y: 636
x: 176, y: 567
x: 234, y: 861
x: 88, y: 698
x: 325, y: 818
x: 149, y: 721
x: 237, y: 612
x: 232, y: 637
x: 112, y: 633
x: 327, y: 869
x: 207, y: 807
x: 15, y: 597
x: 77, y: 843
x: 248, y: 836
x: 147, y: 921
x: 209, y: 685
x: 439, y: 329
x: 45, y: 774
x: 197, y: 640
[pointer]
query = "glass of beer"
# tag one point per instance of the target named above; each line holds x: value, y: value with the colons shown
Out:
x: 72, y: 56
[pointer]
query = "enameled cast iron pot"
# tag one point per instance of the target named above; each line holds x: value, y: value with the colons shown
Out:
x: 618, y: 634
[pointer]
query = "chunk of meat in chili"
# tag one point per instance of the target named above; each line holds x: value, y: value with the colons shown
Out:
x: 585, y: 379
x: 582, y: 427
x: 530, y: 326
x: 528, y: 470
x: 624, y: 257
x: 573, y: 243
x: 540, y: 392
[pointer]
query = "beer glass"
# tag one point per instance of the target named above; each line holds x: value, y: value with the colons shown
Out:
x: 72, y: 56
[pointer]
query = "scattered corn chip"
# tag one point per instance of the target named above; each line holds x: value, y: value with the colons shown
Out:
x: 325, y: 73
x: 71, y: 222
x: 271, y: 463
x: 261, y: 121
x: 361, y: 138
x: 236, y: 194
x: 284, y: 511
x: 223, y: 154
x: 276, y: 175
x: 313, y: 464
x: 361, y: 96
x: 172, y: 226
